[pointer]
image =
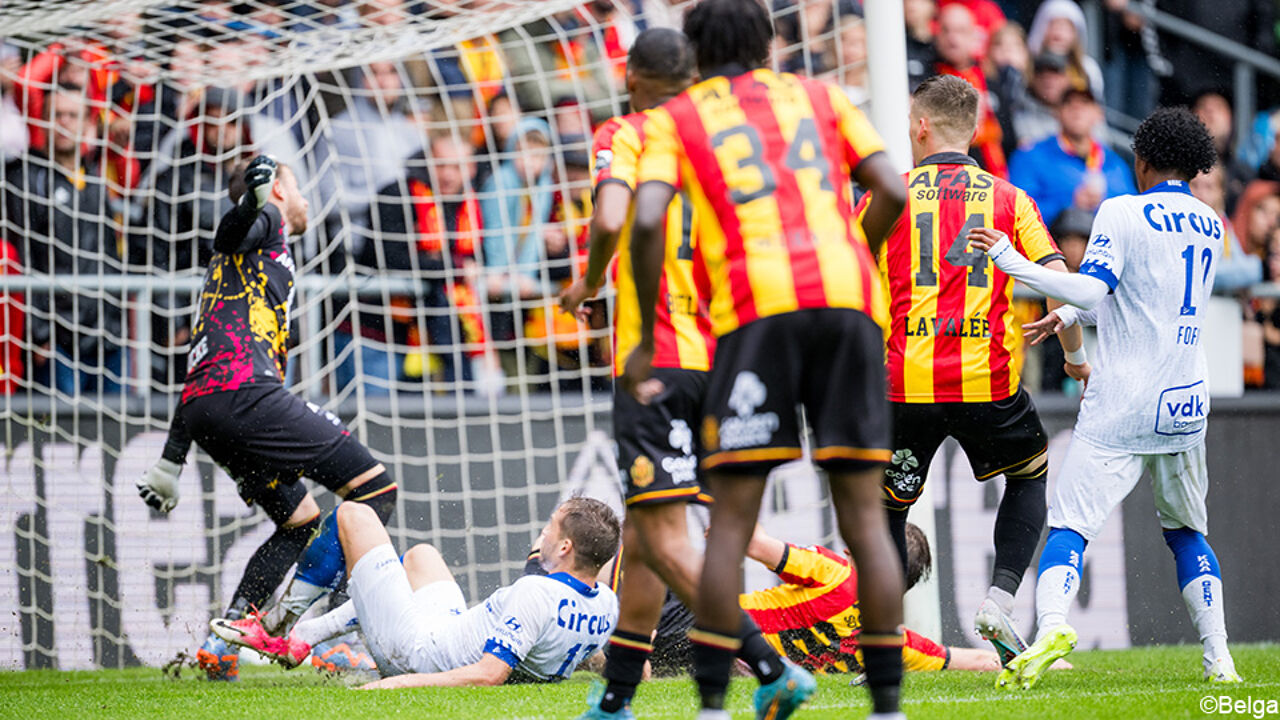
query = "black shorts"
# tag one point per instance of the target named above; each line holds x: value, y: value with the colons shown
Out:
x: 995, y: 436
x: 266, y: 439
x: 658, y: 442
x: 828, y: 360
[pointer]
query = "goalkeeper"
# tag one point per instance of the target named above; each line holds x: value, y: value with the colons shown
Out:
x: 236, y: 407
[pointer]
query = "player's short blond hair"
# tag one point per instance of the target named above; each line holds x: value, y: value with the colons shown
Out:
x: 951, y: 105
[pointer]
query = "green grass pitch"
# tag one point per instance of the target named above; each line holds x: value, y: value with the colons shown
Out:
x: 1159, y: 682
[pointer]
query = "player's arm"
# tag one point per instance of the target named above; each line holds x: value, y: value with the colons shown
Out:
x: 767, y: 550
x: 158, y: 486
x: 244, y: 228
x: 612, y: 201
x: 1083, y: 291
x: 888, y: 198
x: 488, y: 671
x: 1032, y: 239
x: 648, y: 246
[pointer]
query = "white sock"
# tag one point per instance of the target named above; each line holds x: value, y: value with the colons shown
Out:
x: 1002, y: 598
x: 1203, y: 597
x: 297, y: 598
x: 338, y: 621
x: 1056, y: 589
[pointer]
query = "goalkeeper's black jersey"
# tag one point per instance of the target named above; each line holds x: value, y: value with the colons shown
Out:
x: 242, y: 330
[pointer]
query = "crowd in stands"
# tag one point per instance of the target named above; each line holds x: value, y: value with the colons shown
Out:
x: 466, y: 167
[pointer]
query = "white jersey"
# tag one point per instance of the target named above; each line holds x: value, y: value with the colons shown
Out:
x: 1158, y: 252
x: 540, y: 625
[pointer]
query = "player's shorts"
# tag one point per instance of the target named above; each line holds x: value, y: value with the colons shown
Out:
x: 398, y: 624
x: 828, y: 360
x: 1094, y: 480
x: 266, y: 439
x: 657, y: 443
x: 996, y: 437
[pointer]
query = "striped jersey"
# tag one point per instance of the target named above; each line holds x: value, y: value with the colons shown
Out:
x: 681, y: 329
x: 766, y: 159
x: 953, y: 336
x: 813, y: 619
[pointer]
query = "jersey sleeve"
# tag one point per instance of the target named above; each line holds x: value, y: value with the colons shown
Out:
x: 660, y: 161
x: 920, y: 654
x: 1104, y: 256
x: 1033, y: 238
x: 525, y: 615
x: 860, y: 139
x: 615, y: 152
x: 812, y: 566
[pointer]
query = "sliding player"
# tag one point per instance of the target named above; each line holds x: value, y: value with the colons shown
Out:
x: 1146, y: 275
x: 415, y: 620
x: 657, y: 442
x: 767, y: 160
x: 235, y: 405
x: 953, y: 339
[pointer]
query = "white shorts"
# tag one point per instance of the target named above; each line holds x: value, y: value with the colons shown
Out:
x: 397, y: 623
x: 1093, y: 481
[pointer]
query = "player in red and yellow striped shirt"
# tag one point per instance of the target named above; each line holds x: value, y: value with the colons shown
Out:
x: 767, y: 161
x: 657, y: 445
x: 953, y: 337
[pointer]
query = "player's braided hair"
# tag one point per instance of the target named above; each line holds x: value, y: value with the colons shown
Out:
x: 729, y: 32
x: 593, y: 528
x: 661, y: 53
x: 1172, y: 139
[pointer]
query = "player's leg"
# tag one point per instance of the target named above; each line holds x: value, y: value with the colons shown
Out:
x: 1181, y: 483
x: 918, y: 430
x: 1093, y: 481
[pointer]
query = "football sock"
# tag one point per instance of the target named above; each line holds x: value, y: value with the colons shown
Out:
x: 1059, y: 580
x: 268, y: 566
x: 757, y: 653
x: 338, y: 621
x: 898, y: 531
x: 1017, y: 530
x: 628, y: 652
x: 1201, y: 583
x: 713, y: 655
x: 1001, y: 598
x: 882, y: 660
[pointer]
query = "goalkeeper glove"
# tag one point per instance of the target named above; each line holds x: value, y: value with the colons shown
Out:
x: 158, y: 486
x: 258, y: 179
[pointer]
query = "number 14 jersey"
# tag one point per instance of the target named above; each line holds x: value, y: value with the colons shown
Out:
x: 953, y: 335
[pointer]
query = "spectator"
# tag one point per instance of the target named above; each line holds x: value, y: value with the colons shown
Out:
x: 547, y: 64
x: 956, y: 44
x: 1215, y: 112
x: 1072, y: 169
x: 921, y: 56
x: 55, y: 207
x: 1036, y: 117
x: 426, y: 224
x: 498, y: 124
x: 72, y: 63
x: 1257, y: 214
x: 850, y: 50
x: 13, y: 125
x: 988, y: 18
x: 1059, y: 28
x: 1270, y: 169
x: 1011, y: 68
x: 515, y: 204
x: 1131, y: 58
x: 1237, y: 269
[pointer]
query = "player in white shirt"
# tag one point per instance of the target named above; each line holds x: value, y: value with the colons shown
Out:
x: 1144, y: 281
x: 415, y: 620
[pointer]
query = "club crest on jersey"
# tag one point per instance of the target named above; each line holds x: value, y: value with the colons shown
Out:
x: 604, y: 158
x: 642, y: 472
x: 747, y: 428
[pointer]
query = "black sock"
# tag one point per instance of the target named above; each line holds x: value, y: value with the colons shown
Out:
x: 757, y: 653
x: 882, y: 660
x: 378, y: 493
x: 628, y: 652
x: 268, y: 566
x: 713, y: 655
x: 898, y: 531
x: 1017, y: 531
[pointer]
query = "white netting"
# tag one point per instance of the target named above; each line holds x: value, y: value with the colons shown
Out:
x: 443, y: 149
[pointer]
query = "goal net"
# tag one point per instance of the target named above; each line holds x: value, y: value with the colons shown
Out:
x: 442, y: 146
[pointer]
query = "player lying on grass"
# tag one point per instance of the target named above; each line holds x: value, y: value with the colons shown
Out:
x: 812, y: 617
x: 235, y: 406
x: 415, y: 620
x: 1148, y: 269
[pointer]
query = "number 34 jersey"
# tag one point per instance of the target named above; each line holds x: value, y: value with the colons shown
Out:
x: 766, y: 159
x: 1158, y: 252
x: 953, y: 336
